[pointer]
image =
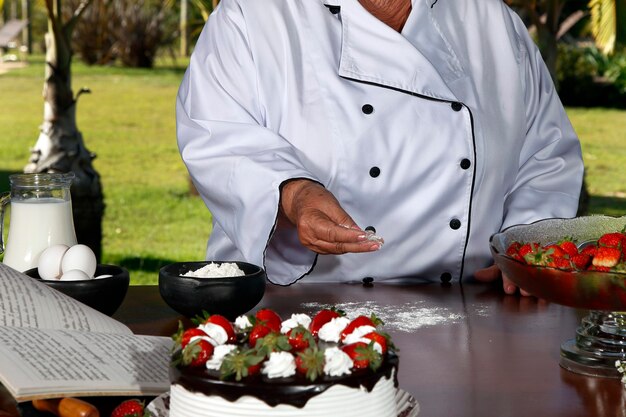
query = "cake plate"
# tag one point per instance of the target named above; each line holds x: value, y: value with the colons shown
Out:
x: 600, y: 338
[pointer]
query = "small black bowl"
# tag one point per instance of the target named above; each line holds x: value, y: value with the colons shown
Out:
x: 230, y: 297
x: 103, y: 294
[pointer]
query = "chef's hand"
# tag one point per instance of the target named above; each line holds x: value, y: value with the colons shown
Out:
x: 493, y: 273
x: 323, y: 226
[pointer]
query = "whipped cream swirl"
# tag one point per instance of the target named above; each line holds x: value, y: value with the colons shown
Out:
x: 215, y: 332
x: 337, y: 362
x: 331, y: 331
x: 294, y: 321
x: 219, y: 353
x: 279, y: 365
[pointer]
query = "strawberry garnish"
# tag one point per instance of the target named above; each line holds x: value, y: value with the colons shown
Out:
x: 190, y: 333
x: 130, y: 408
x: 310, y: 363
x: 197, y: 353
x: 513, y: 251
x: 272, y: 342
x: 300, y: 338
x: 259, y: 331
x: 269, y: 318
x: 240, y: 364
x: 528, y: 249
x: 607, y: 257
x: 223, y: 323
x: 581, y: 261
x: 363, y: 355
x: 360, y: 321
x: 323, y: 317
x: 381, y: 339
x: 590, y: 250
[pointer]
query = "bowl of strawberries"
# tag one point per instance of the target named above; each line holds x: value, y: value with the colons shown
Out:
x: 578, y: 262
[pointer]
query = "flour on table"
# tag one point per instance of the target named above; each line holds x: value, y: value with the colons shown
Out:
x: 405, y: 317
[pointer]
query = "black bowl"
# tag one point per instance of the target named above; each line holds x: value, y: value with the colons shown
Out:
x: 230, y: 297
x: 103, y: 294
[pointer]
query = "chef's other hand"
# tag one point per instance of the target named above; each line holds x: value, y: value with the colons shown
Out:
x: 492, y: 273
x: 323, y: 226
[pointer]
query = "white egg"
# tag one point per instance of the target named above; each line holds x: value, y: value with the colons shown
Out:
x: 74, y: 275
x: 79, y: 257
x: 49, y: 263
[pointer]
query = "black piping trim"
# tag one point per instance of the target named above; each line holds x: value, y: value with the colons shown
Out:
x: 333, y: 9
x: 431, y: 6
x: 469, y: 219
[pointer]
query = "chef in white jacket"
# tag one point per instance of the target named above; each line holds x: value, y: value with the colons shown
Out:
x: 432, y: 124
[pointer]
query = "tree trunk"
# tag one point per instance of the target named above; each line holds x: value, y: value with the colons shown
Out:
x: 60, y: 146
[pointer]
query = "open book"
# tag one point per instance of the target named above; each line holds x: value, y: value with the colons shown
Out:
x: 53, y: 346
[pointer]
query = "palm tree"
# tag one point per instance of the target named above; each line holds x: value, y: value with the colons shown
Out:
x: 608, y: 23
x: 60, y: 146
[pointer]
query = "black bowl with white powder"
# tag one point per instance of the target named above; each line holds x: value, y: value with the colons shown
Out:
x: 229, y: 288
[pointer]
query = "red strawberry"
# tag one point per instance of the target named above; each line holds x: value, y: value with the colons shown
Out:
x: 529, y: 248
x: 381, y: 338
x: 613, y: 240
x: 241, y: 364
x: 224, y: 323
x: 130, y: 408
x: 310, y: 363
x: 272, y: 342
x: 323, y: 317
x: 259, y: 331
x: 581, y: 261
x: 197, y: 353
x: 268, y: 317
x: 363, y: 355
x: 590, y: 250
x: 606, y: 257
x: 188, y: 334
x: 300, y: 338
x: 360, y: 321
x: 569, y: 247
x: 513, y: 251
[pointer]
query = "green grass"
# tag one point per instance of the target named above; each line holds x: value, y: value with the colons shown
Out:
x: 128, y: 122
x: 150, y: 218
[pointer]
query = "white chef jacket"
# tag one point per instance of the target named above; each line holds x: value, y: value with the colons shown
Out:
x: 435, y: 137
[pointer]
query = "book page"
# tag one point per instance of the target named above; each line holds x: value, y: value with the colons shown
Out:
x: 26, y: 302
x: 47, y: 363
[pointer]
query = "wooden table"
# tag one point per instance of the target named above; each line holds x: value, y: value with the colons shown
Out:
x: 464, y: 351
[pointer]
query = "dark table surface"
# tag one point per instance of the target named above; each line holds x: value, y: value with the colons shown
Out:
x: 464, y: 351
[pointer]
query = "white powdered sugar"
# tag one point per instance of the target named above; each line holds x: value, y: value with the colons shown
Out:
x: 406, y: 317
x: 215, y: 270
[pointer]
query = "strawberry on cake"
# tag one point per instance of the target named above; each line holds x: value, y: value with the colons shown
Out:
x: 261, y: 365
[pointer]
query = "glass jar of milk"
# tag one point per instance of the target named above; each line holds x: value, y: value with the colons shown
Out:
x: 41, y: 216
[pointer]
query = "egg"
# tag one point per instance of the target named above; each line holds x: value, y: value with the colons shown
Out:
x: 49, y: 263
x: 74, y: 275
x: 79, y: 257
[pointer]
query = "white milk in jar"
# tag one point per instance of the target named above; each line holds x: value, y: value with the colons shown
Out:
x: 35, y: 225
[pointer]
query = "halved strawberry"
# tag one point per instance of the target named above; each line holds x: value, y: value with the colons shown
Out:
x: 268, y: 317
x: 323, y: 317
x: 360, y: 321
x: 310, y: 363
x: 188, y: 334
x: 300, y: 338
x: 607, y: 257
x: 197, y: 353
x: 224, y: 323
x: 382, y: 339
x: 363, y: 355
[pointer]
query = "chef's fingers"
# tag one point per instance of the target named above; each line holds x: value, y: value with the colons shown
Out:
x: 492, y: 273
x: 323, y: 235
